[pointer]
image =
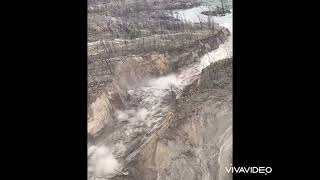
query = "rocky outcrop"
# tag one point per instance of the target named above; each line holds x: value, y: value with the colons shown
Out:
x: 195, y: 140
x: 99, y: 114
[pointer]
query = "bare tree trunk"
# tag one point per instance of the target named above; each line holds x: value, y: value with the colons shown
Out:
x: 200, y: 21
x: 222, y: 6
x: 143, y: 44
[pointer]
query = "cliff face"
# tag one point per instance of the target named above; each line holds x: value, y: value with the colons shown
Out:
x: 99, y: 114
x: 195, y: 139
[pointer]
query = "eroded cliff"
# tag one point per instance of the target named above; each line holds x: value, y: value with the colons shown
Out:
x: 195, y: 140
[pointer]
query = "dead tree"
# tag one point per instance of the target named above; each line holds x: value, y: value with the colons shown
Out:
x: 109, y: 67
x: 200, y: 21
x: 222, y: 6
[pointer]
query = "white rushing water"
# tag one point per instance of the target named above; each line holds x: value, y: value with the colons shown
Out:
x: 149, y: 103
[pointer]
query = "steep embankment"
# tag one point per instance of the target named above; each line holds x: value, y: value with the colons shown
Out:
x: 195, y: 140
x: 110, y: 79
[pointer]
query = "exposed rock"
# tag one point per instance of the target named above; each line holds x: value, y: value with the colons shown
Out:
x: 99, y: 114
